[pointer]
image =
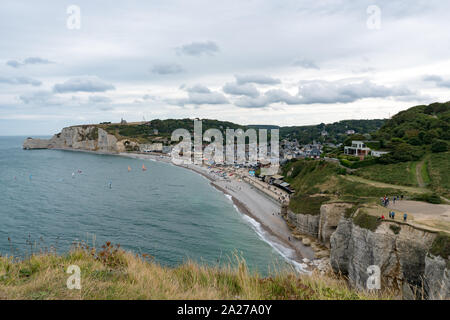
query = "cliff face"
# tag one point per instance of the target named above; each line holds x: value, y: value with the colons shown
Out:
x: 437, y: 277
x: 402, y: 258
x: 320, y: 226
x: 304, y: 223
x: 90, y: 138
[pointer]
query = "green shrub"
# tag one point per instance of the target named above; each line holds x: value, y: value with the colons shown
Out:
x: 305, y: 204
x: 441, y: 245
x: 439, y: 146
x: 395, y: 228
x: 366, y: 221
x: 428, y: 197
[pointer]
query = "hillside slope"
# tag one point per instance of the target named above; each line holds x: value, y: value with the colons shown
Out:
x: 115, y: 274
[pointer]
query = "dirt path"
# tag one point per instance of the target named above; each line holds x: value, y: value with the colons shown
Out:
x: 433, y: 216
x: 419, y: 174
x: 385, y: 185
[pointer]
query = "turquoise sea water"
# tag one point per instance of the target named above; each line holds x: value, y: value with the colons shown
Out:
x: 168, y: 212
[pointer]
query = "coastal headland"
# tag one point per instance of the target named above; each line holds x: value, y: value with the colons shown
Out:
x: 343, y: 229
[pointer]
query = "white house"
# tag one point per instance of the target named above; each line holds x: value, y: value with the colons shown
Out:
x: 357, y: 149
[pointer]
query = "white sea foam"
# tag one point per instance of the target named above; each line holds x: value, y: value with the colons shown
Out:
x: 285, y: 252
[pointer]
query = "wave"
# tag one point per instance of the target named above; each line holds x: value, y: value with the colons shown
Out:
x: 285, y: 252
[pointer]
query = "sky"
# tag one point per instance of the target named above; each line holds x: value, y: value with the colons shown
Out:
x: 248, y: 61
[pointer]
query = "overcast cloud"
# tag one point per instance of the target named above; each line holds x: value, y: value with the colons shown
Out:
x: 290, y: 62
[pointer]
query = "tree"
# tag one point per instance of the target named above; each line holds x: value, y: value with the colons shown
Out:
x: 439, y: 146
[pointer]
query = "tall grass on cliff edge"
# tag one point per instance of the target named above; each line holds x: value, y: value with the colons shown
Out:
x: 112, y: 273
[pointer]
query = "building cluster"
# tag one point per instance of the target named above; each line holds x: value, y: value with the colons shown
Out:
x: 293, y: 150
x: 361, y: 150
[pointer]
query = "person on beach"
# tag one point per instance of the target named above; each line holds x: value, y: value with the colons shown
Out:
x: 405, y: 216
x: 393, y: 215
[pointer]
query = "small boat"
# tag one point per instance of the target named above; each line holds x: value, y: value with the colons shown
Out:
x: 144, y: 168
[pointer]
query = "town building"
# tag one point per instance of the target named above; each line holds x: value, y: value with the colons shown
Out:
x: 357, y: 149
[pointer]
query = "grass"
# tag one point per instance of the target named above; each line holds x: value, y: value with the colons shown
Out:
x: 424, y: 172
x: 403, y: 173
x: 428, y: 197
x: 305, y: 204
x: 377, y: 186
x: 123, y: 275
x: 366, y: 221
x: 308, y: 176
x: 438, y: 170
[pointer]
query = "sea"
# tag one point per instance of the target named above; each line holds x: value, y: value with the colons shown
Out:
x: 50, y: 200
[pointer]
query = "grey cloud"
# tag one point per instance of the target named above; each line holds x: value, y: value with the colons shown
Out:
x: 39, y: 97
x: 259, y: 79
x: 438, y: 80
x: 36, y: 60
x: 164, y: 69
x: 20, y: 81
x: 13, y: 63
x: 200, y: 95
x: 306, y: 63
x: 99, y: 99
x: 198, y: 48
x: 83, y: 84
x: 248, y: 102
x: 432, y: 78
x: 339, y: 92
x: 207, y: 98
x: 270, y: 96
x: 278, y: 95
x: 327, y: 93
x: 30, y: 60
x: 198, y: 88
x: 247, y: 89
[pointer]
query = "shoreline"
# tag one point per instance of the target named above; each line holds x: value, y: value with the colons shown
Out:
x: 260, y: 211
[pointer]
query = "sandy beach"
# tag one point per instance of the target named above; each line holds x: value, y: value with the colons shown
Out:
x: 262, y: 211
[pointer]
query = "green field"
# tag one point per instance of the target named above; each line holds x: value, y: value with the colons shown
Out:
x: 326, y: 181
x: 403, y: 173
x: 438, y: 170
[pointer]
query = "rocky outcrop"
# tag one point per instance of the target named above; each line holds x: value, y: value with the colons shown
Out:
x: 304, y: 223
x: 401, y: 257
x: 330, y: 215
x: 319, y: 226
x: 437, y: 277
x: 89, y: 138
x: 401, y: 252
